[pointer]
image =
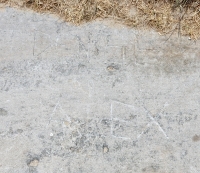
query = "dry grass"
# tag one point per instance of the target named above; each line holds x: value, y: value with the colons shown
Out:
x: 165, y: 16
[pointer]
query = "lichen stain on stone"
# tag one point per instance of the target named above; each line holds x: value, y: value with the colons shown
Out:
x: 3, y: 112
x: 196, y: 138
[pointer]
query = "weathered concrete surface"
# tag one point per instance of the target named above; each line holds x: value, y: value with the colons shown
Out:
x: 96, y: 98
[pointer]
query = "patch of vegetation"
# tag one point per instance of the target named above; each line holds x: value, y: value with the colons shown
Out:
x: 165, y: 16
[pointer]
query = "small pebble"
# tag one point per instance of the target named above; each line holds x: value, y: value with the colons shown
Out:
x: 34, y: 163
x: 105, y: 149
x: 67, y: 123
x: 51, y: 134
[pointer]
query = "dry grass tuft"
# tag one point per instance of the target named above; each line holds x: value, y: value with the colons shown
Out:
x: 165, y: 16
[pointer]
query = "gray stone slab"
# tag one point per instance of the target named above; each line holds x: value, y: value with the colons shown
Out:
x: 96, y: 98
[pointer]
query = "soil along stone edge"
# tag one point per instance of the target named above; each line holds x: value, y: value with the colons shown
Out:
x: 165, y: 16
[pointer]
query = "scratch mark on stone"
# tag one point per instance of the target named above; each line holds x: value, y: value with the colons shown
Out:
x: 34, y: 44
x: 111, y: 118
x: 91, y: 88
x: 53, y: 111
x: 161, y: 129
x: 124, y: 104
x: 121, y: 137
x: 55, y: 107
x: 67, y: 117
x: 119, y: 119
x: 114, y: 46
x: 4, y: 86
x: 155, y: 122
x: 44, y: 50
x: 111, y: 126
x: 56, y: 44
x: 123, y: 52
x: 80, y: 135
x: 147, y: 126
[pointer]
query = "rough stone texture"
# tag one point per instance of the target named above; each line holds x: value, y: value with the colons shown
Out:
x: 96, y: 98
